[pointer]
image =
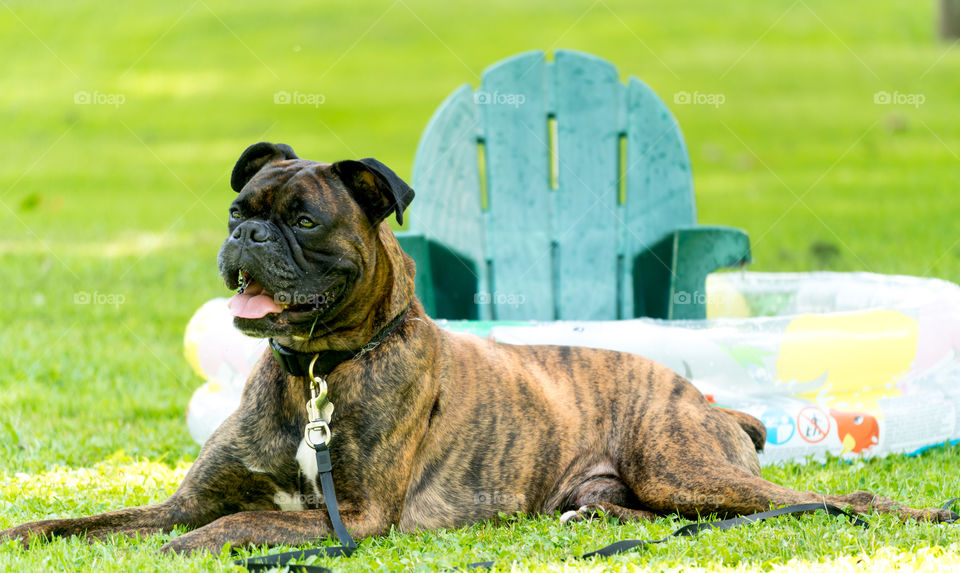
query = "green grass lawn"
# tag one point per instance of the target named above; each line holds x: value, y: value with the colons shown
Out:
x: 129, y: 202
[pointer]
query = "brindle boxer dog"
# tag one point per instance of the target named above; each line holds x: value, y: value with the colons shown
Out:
x: 430, y: 429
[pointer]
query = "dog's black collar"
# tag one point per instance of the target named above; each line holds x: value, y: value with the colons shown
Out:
x: 298, y: 363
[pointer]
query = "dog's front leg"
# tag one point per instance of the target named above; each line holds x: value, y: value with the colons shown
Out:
x: 148, y: 519
x: 212, y: 488
x: 218, y: 483
x: 256, y: 528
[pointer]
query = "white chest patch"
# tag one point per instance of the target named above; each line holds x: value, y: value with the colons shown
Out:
x: 311, y: 497
x: 307, y: 460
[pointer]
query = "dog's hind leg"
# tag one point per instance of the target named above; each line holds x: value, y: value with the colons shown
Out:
x: 710, y: 467
x: 606, y: 493
x: 728, y: 490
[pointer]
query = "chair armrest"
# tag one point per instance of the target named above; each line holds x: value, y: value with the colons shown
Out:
x: 418, y: 247
x: 671, y: 276
x: 446, y: 281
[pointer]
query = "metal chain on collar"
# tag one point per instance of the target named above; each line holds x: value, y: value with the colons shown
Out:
x: 367, y: 348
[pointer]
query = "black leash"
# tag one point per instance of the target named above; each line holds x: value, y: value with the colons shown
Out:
x: 949, y: 504
x: 622, y: 546
x: 347, y: 547
x: 692, y: 529
x: 695, y: 528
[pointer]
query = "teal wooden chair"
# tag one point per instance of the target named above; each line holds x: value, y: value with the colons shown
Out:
x: 556, y: 192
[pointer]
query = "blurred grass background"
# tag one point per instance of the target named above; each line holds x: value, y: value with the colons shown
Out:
x: 130, y: 200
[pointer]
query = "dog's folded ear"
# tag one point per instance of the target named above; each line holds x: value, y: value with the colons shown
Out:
x: 254, y: 158
x: 377, y: 189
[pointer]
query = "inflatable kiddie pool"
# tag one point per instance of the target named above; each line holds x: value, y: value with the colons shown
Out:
x: 853, y: 364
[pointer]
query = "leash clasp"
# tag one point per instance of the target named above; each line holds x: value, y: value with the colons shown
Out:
x: 317, y: 429
x: 318, y: 394
x: 319, y: 410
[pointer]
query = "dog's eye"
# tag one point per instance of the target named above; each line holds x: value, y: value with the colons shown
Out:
x: 235, y: 214
x: 306, y: 223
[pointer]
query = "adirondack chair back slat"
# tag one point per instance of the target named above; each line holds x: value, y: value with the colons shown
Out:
x: 659, y: 181
x: 537, y: 252
x: 587, y: 93
x: 448, y: 201
x: 448, y: 208
x: 513, y: 110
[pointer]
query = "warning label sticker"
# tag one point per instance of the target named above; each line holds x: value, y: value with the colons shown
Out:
x: 813, y: 424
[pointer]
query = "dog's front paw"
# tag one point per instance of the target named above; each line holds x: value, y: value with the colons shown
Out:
x: 197, y: 541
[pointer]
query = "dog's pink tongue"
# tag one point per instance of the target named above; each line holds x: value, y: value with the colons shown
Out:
x: 258, y: 306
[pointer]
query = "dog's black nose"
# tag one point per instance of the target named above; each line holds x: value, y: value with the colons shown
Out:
x: 254, y: 231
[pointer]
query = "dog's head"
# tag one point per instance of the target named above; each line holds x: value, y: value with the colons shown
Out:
x: 304, y: 242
